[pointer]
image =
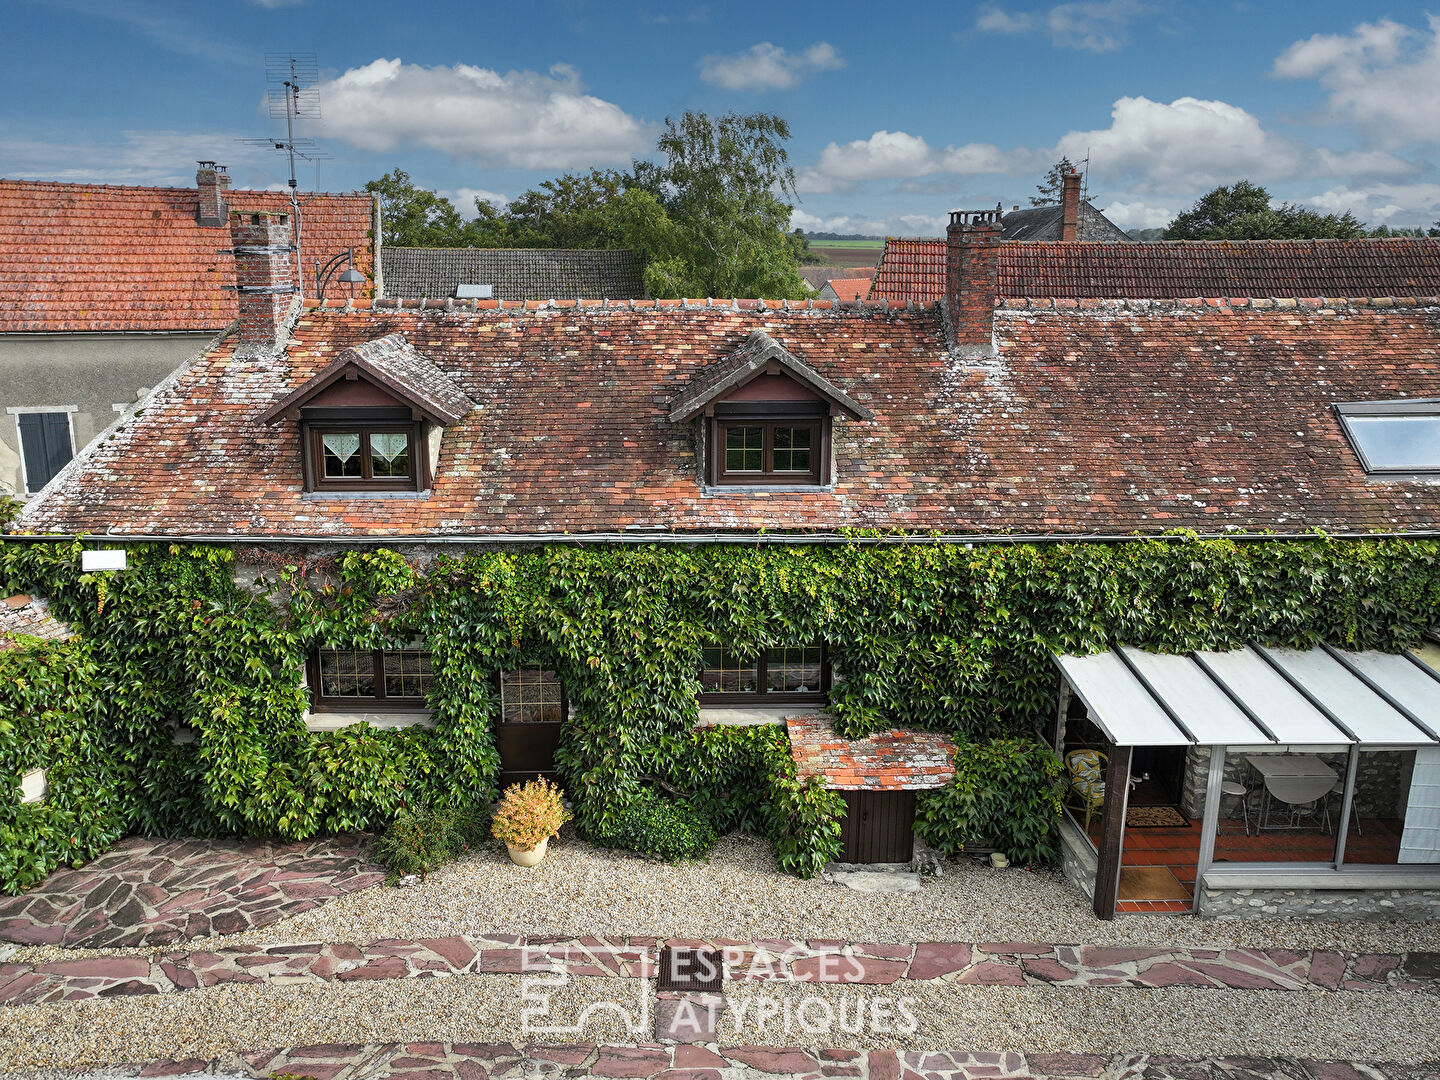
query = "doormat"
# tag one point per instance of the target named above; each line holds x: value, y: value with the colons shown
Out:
x: 1150, y: 883
x: 1155, y: 817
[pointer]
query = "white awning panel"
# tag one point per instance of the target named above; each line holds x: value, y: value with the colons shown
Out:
x: 1255, y: 696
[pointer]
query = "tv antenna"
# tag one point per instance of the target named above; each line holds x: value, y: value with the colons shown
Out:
x: 292, y: 92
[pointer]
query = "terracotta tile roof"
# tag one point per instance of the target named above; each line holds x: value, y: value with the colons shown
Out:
x: 515, y: 273
x: 24, y: 617
x: 915, y: 269
x: 857, y: 288
x: 898, y: 760
x: 95, y: 257
x: 1095, y: 417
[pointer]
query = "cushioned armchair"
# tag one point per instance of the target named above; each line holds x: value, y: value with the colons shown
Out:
x: 1086, y: 794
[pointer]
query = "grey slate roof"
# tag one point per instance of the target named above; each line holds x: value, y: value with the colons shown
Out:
x: 515, y: 273
x: 1048, y: 222
x: 394, y: 364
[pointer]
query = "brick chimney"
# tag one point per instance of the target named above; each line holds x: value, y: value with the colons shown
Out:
x: 264, y: 280
x: 972, y: 261
x: 212, y: 182
x: 1070, y: 227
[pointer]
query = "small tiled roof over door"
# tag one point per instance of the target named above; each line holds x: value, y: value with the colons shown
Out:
x: 898, y: 760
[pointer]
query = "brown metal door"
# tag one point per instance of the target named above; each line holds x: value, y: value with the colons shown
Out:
x: 526, y: 751
x: 879, y: 827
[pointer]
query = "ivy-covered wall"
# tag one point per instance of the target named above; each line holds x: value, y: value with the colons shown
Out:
x: 936, y: 636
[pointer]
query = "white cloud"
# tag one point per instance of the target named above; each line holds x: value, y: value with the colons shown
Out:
x: 1382, y: 204
x: 768, y: 67
x: 893, y: 225
x: 1092, y: 25
x: 1383, y: 77
x: 520, y: 119
x: 1362, y: 163
x: 994, y: 20
x: 900, y: 155
x: 1186, y: 145
x: 1139, y: 214
x: 464, y: 200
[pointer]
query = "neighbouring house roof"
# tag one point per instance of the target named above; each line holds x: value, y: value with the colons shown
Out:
x: 26, y: 617
x: 1112, y: 418
x: 849, y: 288
x: 1257, y: 696
x: 751, y: 359
x: 817, y: 276
x: 1048, y: 223
x: 515, y: 273
x: 1403, y: 267
x: 78, y: 258
x: 899, y: 760
x: 392, y: 363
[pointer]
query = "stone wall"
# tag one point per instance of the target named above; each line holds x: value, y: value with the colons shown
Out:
x: 1402, y: 904
x: 1077, y: 858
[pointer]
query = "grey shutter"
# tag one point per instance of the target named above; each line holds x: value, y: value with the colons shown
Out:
x: 45, y: 442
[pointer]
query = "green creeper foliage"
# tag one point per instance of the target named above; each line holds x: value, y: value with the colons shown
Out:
x: 1005, y: 791
x: 940, y: 636
x: 661, y: 828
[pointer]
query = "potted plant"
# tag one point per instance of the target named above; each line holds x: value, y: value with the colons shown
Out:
x: 529, y: 815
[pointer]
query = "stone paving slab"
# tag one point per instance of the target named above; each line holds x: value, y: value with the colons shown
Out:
x: 860, y: 963
x: 501, y: 1061
x: 148, y: 891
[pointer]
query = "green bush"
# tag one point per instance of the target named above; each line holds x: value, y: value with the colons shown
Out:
x: 1006, y: 791
x: 661, y: 828
x: 805, y: 824
x: 425, y: 839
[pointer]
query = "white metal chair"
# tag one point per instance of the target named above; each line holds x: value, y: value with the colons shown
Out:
x: 1229, y: 789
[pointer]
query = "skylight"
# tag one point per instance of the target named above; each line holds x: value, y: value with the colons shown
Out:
x: 1394, y: 436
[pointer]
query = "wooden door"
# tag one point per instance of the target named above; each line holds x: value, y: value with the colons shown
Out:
x: 879, y: 827
x: 526, y: 751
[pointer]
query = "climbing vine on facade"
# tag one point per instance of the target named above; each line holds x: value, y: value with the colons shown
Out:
x: 190, y: 691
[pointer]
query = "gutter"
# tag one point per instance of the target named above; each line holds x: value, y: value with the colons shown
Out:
x: 661, y: 536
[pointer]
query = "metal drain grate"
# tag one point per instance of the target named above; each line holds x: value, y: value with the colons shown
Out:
x: 691, y: 968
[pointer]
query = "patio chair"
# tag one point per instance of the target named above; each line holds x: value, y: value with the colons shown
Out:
x: 1087, y: 782
x: 1229, y: 789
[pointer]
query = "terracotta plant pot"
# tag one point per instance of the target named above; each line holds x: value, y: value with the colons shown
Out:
x: 527, y: 857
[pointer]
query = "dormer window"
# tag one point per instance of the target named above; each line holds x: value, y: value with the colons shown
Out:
x: 365, y: 420
x: 765, y: 418
x: 1394, y: 436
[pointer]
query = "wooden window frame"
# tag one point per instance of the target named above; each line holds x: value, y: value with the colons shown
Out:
x: 500, y: 690
x: 768, y: 417
x: 378, y: 703
x: 773, y: 697
x: 312, y: 432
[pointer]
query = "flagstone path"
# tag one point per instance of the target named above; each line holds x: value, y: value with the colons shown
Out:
x: 963, y: 963
x: 498, y: 1061
x: 147, y: 891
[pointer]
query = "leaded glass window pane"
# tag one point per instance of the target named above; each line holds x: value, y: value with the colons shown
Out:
x: 792, y: 449
x: 347, y: 673
x: 342, y: 454
x: 531, y: 696
x: 407, y: 674
x: 795, y: 670
x: 728, y: 672
x: 744, y: 449
x: 389, y: 453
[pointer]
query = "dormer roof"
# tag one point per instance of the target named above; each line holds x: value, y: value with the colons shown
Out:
x: 392, y: 364
x: 758, y: 355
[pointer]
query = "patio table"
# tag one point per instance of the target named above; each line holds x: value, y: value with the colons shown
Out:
x: 1268, y: 765
x: 1295, y: 791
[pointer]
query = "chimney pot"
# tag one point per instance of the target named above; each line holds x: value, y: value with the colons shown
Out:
x: 264, y: 280
x: 972, y: 262
x: 211, y: 183
x: 1070, y: 219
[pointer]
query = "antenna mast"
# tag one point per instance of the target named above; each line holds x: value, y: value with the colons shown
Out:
x: 292, y: 79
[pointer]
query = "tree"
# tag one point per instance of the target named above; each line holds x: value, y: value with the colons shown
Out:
x: 413, y: 217
x: 1243, y: 211
x: 1052, y: 188
x: 1404, y: 230
x: 568, y: 212
x: 710, y: 216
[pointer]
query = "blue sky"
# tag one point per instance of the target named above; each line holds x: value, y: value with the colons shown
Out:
x: 897, y: 113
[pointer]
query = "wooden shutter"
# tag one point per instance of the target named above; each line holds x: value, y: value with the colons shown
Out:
x: 45, y: 442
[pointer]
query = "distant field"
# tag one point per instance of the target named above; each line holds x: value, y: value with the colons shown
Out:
x: 849, y: 252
